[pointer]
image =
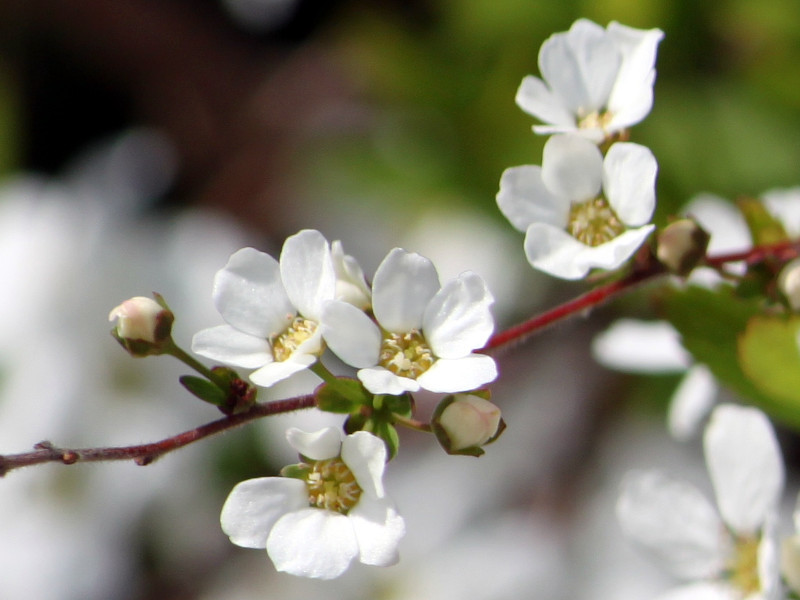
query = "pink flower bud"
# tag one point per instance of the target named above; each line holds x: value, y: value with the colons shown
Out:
x: 467, y: 421
x: 142, y: 325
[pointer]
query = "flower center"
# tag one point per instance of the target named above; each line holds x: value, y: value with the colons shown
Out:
x: 406, y: 354
x: 743, y: 568
x: 594, y: 120
x: 284, y: 344
x: 332, y: 486
x: 594, y: 222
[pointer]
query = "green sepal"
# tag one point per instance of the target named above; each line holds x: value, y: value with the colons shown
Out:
x: 342, y: 396
x: 298, y: 471
x: 764, y: 228
x: 204, y: 389
x: 402, y: 405
x: 387, y: 432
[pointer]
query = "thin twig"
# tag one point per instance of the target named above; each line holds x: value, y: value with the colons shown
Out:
x: 144, y: 454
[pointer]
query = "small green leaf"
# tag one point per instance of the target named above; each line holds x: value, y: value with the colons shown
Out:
x: 711, y: 323
x: 770, y: 356
x: 203, y: 389
x: 342, y: 396
x: 764, y: 228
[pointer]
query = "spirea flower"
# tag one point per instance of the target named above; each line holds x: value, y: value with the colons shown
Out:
x: 595, y: 81
x: 332, y: 510
x: 423, y: 335
x: 733, y: 553
x: 272, y: 309
x: 580, y: 210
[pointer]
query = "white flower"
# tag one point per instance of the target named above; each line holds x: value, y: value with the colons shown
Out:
x: 272, y: 309
x: 425, y: 333
x: 315, y: 527
x: 569, y: 226
x: 635, y: 346
x: 734, y: 551
x: 596, y: 81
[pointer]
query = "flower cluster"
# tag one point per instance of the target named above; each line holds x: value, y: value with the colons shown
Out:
x: 590, y: 202
x: 404, y: 333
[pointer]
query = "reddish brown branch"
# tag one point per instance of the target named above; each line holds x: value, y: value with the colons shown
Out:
x: 144, y: 454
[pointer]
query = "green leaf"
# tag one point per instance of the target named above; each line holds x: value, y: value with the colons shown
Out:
x: 342, y: 396
x: 764, y: 228
x: 202, y: 388
x: 711, y: 323
x: 770, y: 356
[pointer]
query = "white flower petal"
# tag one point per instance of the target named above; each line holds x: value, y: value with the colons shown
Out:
x: 674, y: 521
x: 249, y: 294
x: 705, y: 590
x: 636, y: 346
x: 307, y: 272
x: 232, y: 347
x: 312, y: 543
x: 253, y: 507
x: 379, y: 380
x: 365, y: 455
x: 691, y: 402
x: 351, y: 284
x: 580, y: 66
x: 556, y: 252
x: 523, y: 199
x: 536, y: 99
x: 459, y: 374
x: 404, y: 284
x: 745, y: 465
x: 572, y: 167
x: 272, y: 373
x: 784, y: 205
x: 379, y: 529
x: 316, y: 445
x: 458, y: 320
x: 629, y: 181
x: 351, y: 334
x: 632, y: 96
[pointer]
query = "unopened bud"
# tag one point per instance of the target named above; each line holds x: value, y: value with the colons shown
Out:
x: 143, y: 325
x: 682, y: 245
x: 789, y: 283
x: 465, y: 422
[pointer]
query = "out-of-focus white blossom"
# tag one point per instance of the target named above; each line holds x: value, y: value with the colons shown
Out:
x: 636, y: 346
x: 732, y: 550
x: 425, y: 333
x: 595, y: 81
x: 316, y: 526
x: 579, y: 210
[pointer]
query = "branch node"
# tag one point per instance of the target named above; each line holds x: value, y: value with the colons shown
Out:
x: 143, y: 461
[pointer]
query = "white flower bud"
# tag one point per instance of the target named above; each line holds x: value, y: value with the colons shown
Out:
x: 143, y: 325
x: 469, y: 421
x: 789, y: 283
x: 681, y: 245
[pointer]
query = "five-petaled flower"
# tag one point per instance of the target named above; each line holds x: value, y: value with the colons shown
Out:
x: 735, y: 556
x: 272, y: 310
x: 570, y: 226
x: 333, y: 508
x: 425, y: 333
x: 597, y: 81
